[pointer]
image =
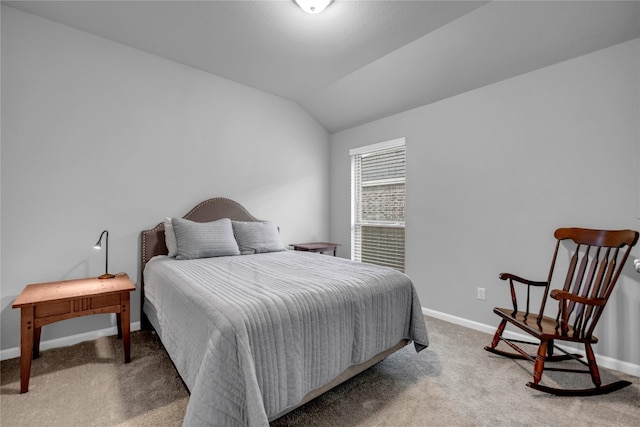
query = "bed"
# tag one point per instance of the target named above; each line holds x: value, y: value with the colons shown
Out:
x: 256, y: 330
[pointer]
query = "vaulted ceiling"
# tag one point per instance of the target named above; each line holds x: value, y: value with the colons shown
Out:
x: 358, y: 60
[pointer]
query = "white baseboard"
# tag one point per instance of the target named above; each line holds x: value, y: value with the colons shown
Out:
x: 604, y: 361
x: 11, y: 353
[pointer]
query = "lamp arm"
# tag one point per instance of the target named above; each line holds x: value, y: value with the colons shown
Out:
x: 98, y: 245
x: 106, y: 258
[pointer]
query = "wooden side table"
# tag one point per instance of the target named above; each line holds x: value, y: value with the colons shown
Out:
x: 316, y: 247
x: 44, y: 303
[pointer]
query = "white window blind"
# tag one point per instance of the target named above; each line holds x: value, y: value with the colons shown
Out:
x: 378, y: 203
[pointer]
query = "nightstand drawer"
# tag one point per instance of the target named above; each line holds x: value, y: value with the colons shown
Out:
x: 105, y: 301
x: 52, y: 309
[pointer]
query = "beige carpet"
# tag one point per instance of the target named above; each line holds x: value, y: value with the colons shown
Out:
x: 452, y: 383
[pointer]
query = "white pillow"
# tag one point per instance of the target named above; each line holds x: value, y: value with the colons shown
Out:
x: 170, y: 238
x: 256, y: 237
x: 204, y: 239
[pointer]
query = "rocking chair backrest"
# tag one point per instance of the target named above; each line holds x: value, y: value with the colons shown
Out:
x: 594, y: 267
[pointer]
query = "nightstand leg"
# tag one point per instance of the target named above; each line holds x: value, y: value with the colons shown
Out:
x: 36, y: 342
x: 125, y: 325
x: 119, y: 324
x: 26, y: 346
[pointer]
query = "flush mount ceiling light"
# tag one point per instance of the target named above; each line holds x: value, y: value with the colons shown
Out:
x: 313, y: 6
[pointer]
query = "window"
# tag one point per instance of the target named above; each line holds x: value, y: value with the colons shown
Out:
x: 378, y: 203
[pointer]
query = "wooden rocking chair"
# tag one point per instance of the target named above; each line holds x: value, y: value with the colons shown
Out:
x: 597, y: 259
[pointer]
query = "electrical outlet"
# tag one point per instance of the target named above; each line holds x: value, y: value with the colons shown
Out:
x: 481, y: 294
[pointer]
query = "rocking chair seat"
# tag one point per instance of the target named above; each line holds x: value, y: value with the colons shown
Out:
x: 547, y: 329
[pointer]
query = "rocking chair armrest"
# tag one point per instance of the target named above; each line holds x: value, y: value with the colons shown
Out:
x: 509, y: 276
x: 560, y: 295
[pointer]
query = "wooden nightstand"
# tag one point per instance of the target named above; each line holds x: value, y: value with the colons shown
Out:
x: 316, y: 247
x: 44, y: 303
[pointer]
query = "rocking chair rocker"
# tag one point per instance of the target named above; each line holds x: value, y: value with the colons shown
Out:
x: 597, y: 259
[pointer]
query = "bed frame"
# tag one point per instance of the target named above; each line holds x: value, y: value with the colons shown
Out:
x: 153, y: 243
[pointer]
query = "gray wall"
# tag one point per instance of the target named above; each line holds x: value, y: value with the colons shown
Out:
x: 491, y: 173
x: 97, y: 135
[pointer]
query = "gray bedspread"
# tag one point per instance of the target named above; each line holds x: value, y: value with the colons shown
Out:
x: 252, y: 334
